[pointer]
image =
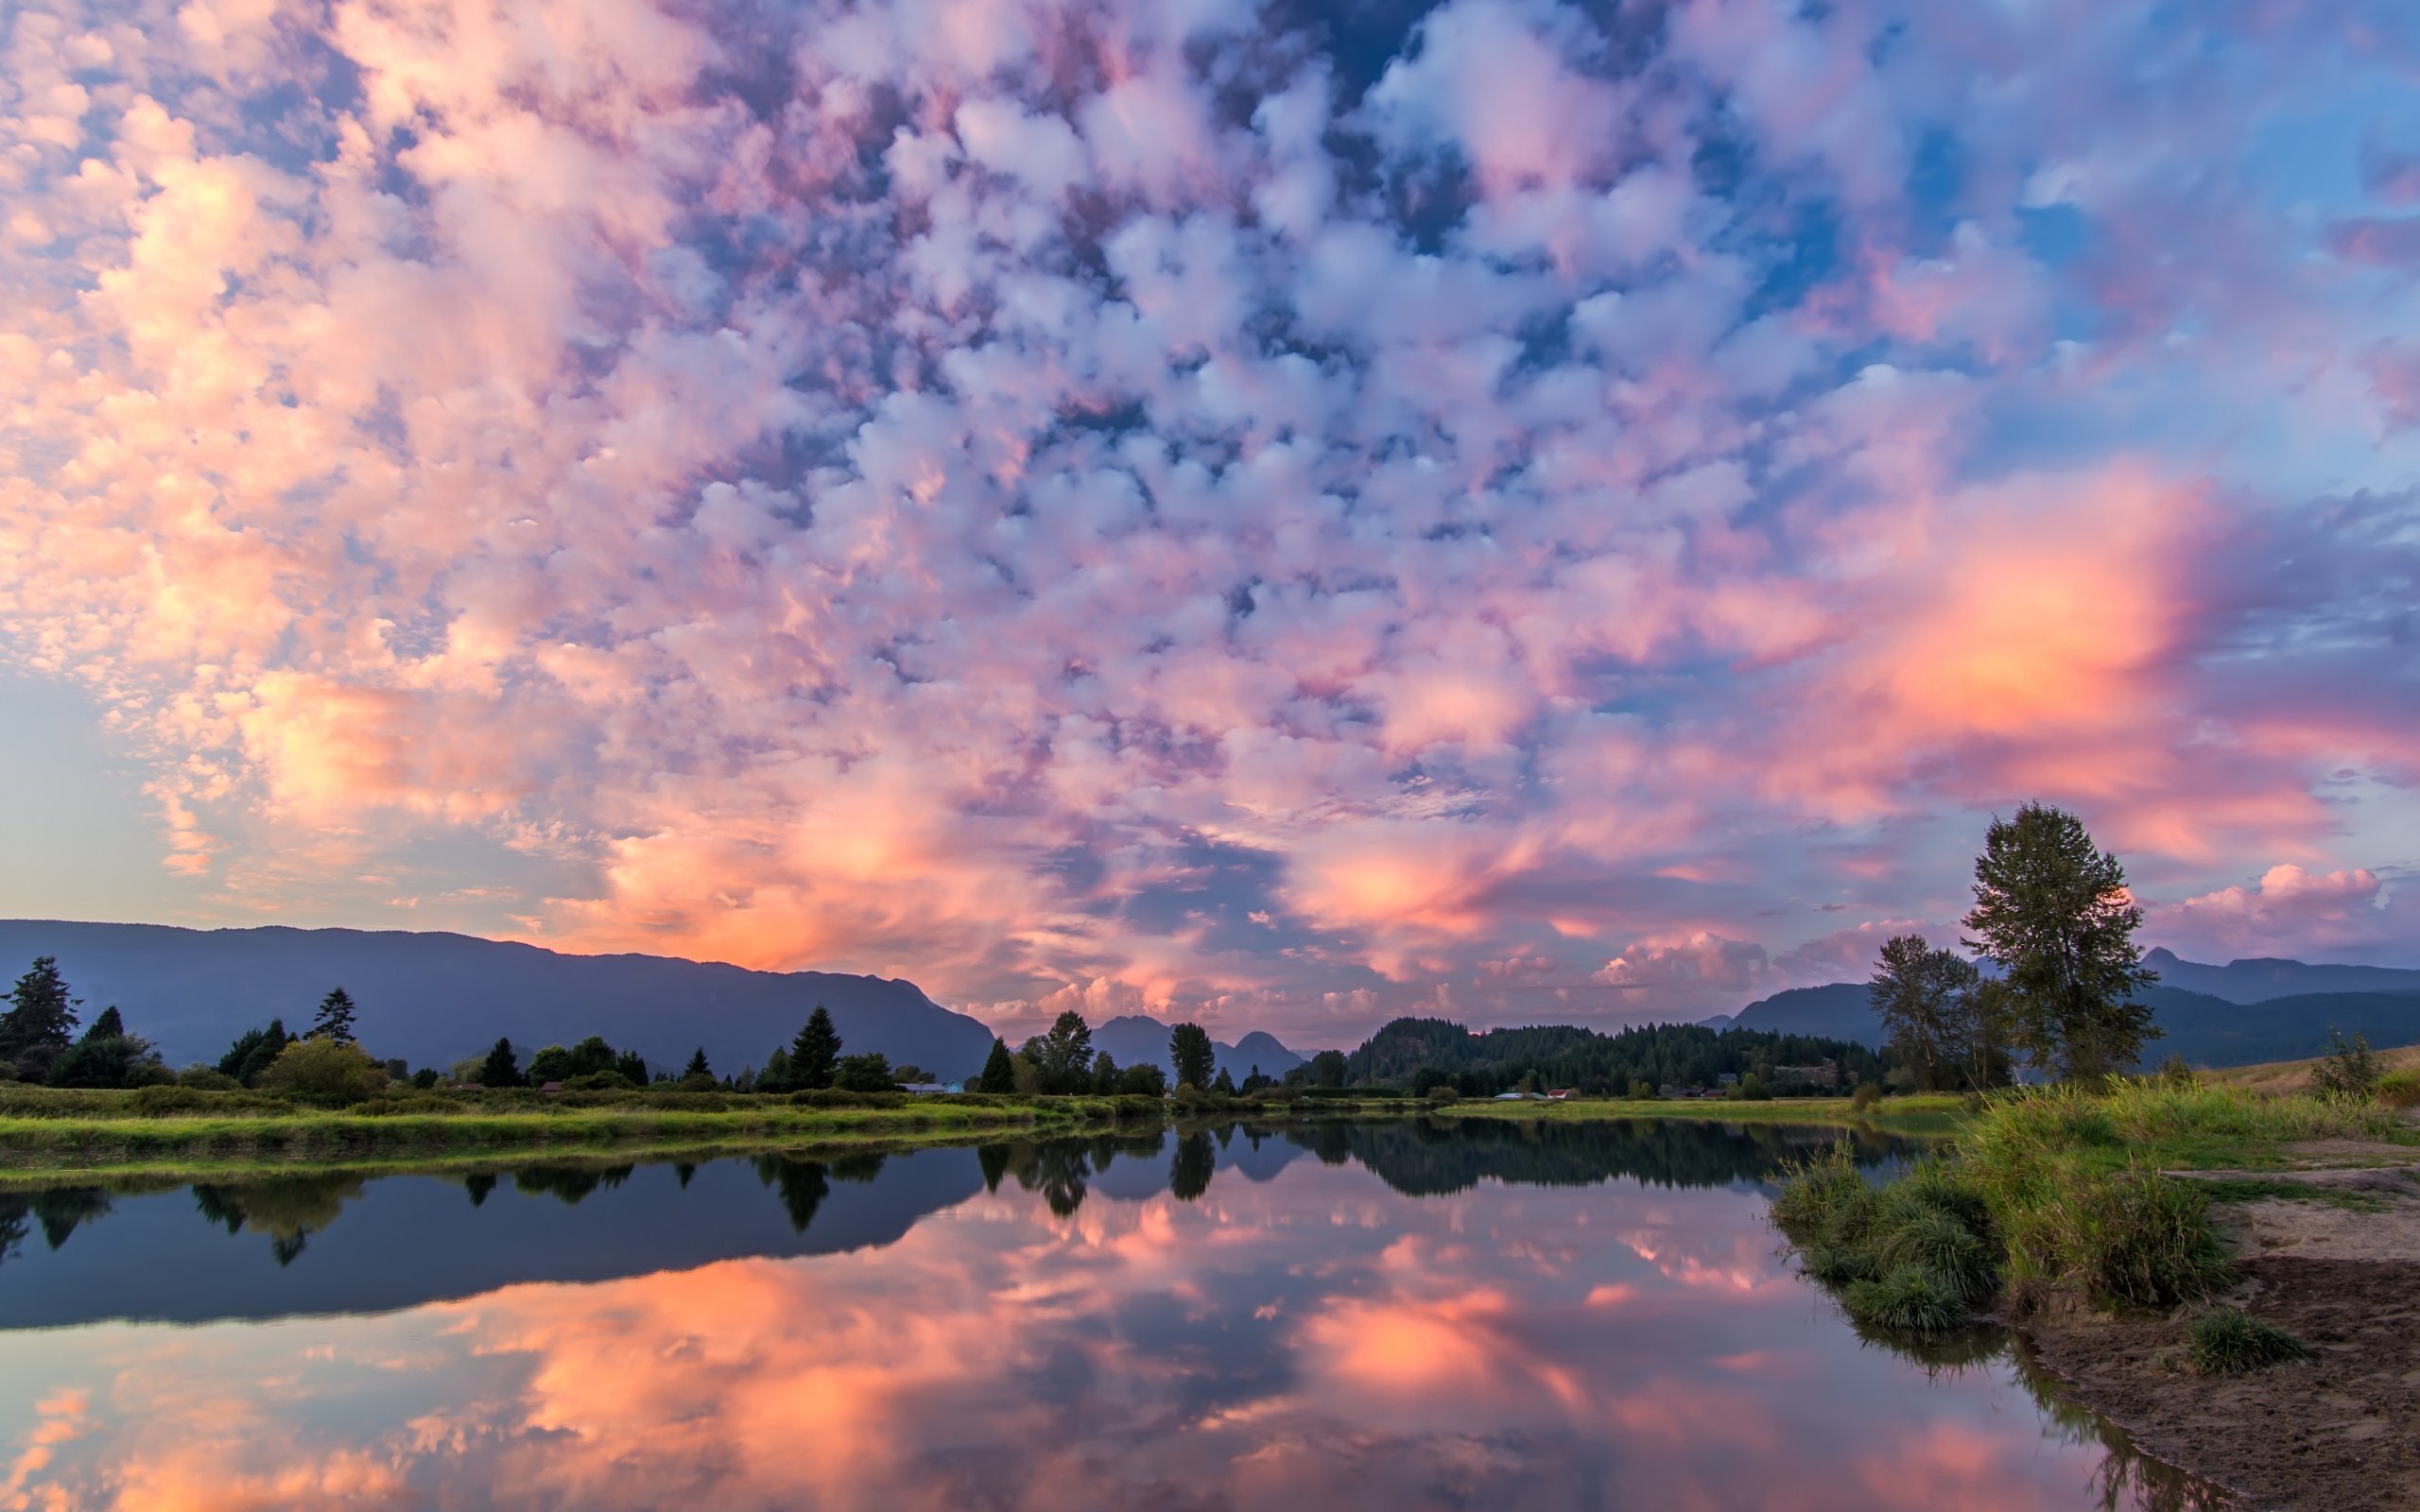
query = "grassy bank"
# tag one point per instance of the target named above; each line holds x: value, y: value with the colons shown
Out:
x: 1917, y: 1116
x: 2055, y: 1191
x: 95, y: 1132
x: 50, y: 1134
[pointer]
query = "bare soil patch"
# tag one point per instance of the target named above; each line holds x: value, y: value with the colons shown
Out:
x: 2339, y: 1432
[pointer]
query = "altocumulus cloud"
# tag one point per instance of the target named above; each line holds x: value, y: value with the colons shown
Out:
x: 1283, y: 511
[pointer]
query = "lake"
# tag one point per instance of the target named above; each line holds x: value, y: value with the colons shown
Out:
x: 1339, y: 1315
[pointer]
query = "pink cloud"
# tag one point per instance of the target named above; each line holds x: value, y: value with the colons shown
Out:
x: 1031, y: 500
x: 2287, y: 911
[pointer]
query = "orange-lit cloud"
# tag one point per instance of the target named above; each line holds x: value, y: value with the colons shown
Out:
x: 1012, y: 500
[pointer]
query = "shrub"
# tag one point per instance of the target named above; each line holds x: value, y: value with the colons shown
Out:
x: 846, y: 1097
x: 2348, y: 1070
x: 1752, y: 1088
x: 325, y: 1070
x: 2143, y: 1238
x: 1944, y: 1249
x: 1642, y: 1091
x: 2229, y: 1341
x: 1442, y: 1093
x: 1867, y: 1095
x: 1905, y: 1300
x: 207, y: 1079
x: 419, y: 1104
x: 153, y: 1102
x: 600, y: 1081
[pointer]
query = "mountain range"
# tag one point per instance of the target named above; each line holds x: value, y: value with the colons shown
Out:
x: 2241, y: 1013
x: 436, y: 998
x: 1135, y: 1041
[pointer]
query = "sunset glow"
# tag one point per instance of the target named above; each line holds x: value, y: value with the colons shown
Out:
x: 1278, y: 513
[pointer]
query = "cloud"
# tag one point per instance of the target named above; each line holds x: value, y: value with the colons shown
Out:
x: 1004, y: 496
x: 2288, y: 910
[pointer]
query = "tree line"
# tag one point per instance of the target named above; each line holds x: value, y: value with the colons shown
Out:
x: 1425, y: 1054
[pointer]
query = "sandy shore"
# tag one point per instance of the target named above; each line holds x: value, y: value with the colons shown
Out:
x: 2339, y: 1432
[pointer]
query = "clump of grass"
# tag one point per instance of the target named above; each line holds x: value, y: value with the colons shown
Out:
x: 2229, y: 1341
x: 1936, y: 1245
x: 1909, y: 1258
x: 1906, y: 1300
x: 2400, y: 1089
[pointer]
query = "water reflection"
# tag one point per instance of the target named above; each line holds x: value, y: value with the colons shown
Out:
x: 1357, y: 1315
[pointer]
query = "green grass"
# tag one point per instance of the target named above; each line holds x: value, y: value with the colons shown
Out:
x: 2053, y: 1189
x: 2228, y: 1341
x: 1917, y: 1116
x: 79, y: 1138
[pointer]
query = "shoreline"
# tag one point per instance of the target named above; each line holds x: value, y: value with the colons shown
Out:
x: 2338, y: 1267
x: 87, y: 1137
x: 2228, y: 1279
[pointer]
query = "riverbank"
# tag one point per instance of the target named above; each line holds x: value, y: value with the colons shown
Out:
x: 171, y: 1132
x: 1919, y: 1117
x: 52, y: 1135
x: 2137, y: 1241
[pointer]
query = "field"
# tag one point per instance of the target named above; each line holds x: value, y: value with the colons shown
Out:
x: 1921, y: 1116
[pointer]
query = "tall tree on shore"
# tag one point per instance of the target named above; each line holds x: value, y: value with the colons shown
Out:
x: 1190, y: 1052
x: 697, y: 1066
x: 1919, y: 993
x: 1000, y: 1071
x: 2054, y: 912
x: 815, y: 1052
x: 41, y: 1019
x: 335, y: 1020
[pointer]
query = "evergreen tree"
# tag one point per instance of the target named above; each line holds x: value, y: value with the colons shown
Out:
x: 42, y: 1017
x: 1105, y: 1075
x: 999, y: 1070
x: 1225, y: 1085
x: 336, y: 1018
x: 632, y: 1067
x: 778, y: 1075
x: 502, y: 1068
x: 107, y: 1026
x: 816, y: 1053
x: 1189, y: 1051
x: 255, y: 1050
x: 2054, y: 912
x: 698, y: 1066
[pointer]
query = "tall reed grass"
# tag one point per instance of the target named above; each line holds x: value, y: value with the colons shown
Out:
x: 2047, y: 1189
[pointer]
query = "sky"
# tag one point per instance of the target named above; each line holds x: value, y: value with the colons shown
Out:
x: 1283, y: 514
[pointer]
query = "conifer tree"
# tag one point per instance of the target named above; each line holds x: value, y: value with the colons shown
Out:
x: 502, y: 1068
x: 42, y: 1018
x: 698, y: 1066
x: 815, y: 1052
x: 335, y: 1020
x: 999, y: 1070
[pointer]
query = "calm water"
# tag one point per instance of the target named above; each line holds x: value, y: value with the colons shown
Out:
x: 1376, y: 1315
